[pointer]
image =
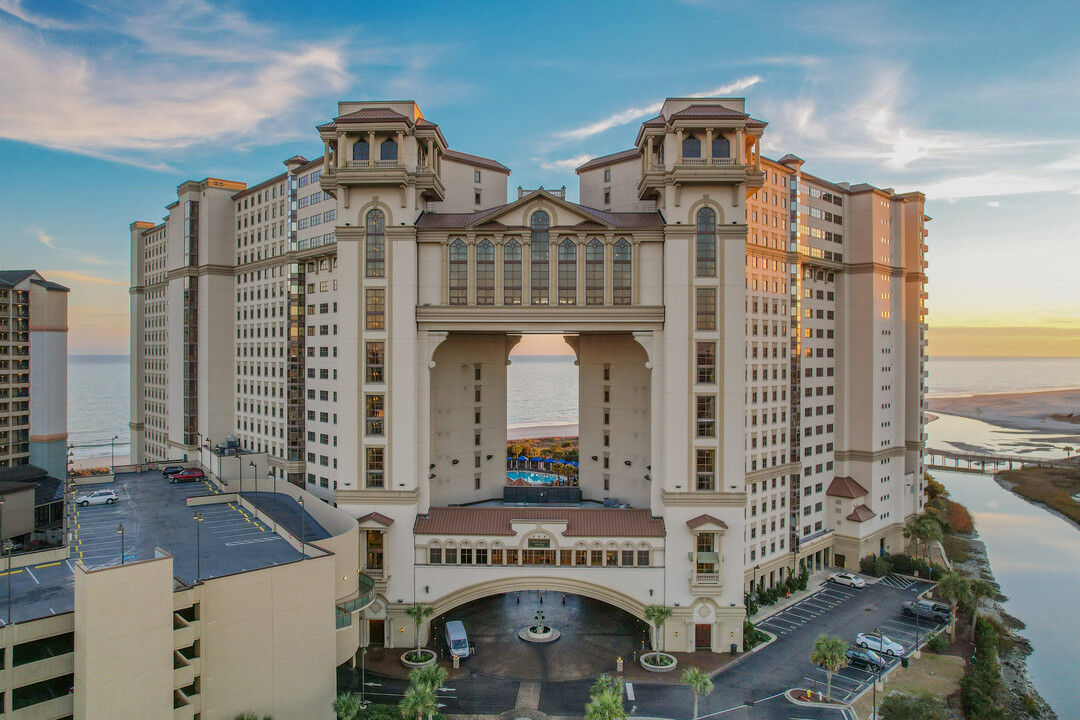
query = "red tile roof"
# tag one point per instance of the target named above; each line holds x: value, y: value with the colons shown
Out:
x: 658, y: 121
x: 425, y: 123
x: 580, y: 522
x: 518, y: 482
x: 708, y: 111
x: 372, y: 115
x: 475, y: 160
x: 609, y: 159
x: 845, y: 487
x: 700, y: 520
x: 376, y: 517
x: 756, y: 123
x: 452, y: 221
x: 861, y: 513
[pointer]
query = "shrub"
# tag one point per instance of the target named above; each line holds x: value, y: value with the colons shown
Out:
x: 982, y: 690
x: 937, y: 643
x: 751, y: 636
x: 804, y: 579
x: 751, y: 604
x: 904, y: 707
x: 959, y: 518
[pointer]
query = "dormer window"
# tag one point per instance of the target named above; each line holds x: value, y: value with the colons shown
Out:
x: 361, y: 150
x: 721, y: 147
x: 691, y: 147
x: 388, y: 150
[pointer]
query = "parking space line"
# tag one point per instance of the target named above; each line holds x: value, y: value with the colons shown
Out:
x: 38, y: 567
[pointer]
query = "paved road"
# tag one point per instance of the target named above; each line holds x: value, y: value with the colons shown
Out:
x: 760, y: 677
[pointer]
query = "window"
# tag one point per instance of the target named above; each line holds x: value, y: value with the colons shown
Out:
x: 375, y: 362
x: 476, y: 176
x: 620, y: 271
x: 594, y: 272
x: 485, y: 273
x: 512, y: 273
x: 361, y: 150
x: 706, y: 242
x: 706, y: 308
x: 539, y: 255
x: 375, y: 308
x: 607, y: 175
x: 706, y: 469
x: 721, y: 147
x: 374, y: 413
x: 375, y: 241
x: 375, y: 467
x: 459, y: 272
x: 567, y: 272
x: 706, y: 362
x: 706, y: 416
x: 643, y: 558
x: 388, y: 151
x: 435, y: 556
x: 476, y: 197
x: 691, y: 147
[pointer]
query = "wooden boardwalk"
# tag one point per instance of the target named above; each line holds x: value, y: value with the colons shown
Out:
x: 990, y: 462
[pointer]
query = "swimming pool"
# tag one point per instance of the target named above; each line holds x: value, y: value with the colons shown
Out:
x: 533, y: 477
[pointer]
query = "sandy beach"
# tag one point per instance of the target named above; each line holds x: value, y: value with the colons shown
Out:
x: 1054, y: 411
x: 101, y: 461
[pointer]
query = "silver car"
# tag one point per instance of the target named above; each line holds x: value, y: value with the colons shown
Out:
x: 98, y: 497
x: 879, y: 643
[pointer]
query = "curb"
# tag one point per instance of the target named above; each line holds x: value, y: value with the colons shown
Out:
x: 793, y: 699
x: 748, y: 653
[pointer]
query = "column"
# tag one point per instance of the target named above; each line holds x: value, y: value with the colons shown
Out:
x: 400, y: 150
x: 371, y: 147
x: 341, y: 150
x: 708, y: 146
x: 431, y: 154
x: 649, y: 152
x: 678, y: 150
x: 740, y: 149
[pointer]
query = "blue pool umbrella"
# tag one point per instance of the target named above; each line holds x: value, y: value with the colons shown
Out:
x: 536, y: 459
x: 548, y: 460
x: 509, y: 458
x: 523, y: 458
x: 572, y: 462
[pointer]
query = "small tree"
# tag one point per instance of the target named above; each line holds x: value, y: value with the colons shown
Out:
x: 955, y: 588
x: 419, y: 701
x: 904, y: 707
x: 347, y: 706
x: 1068, y: 451
x: 657, y: 615
x: 930, y: 531
x: 829, y: 653
x: 419, y: 613
x: 977, y: 590
x: 699, y: 683
x: 252, y: 716
x: 431, y: 676
x: 912, y: 532
x: 607, y: 704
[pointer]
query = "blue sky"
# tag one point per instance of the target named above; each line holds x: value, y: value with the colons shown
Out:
x: 109, y: 104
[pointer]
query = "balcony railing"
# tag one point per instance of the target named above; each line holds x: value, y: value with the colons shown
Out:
x: 376, y: 574
x: 707, y: 579
x: 706, y: 161
x: 367, y: 164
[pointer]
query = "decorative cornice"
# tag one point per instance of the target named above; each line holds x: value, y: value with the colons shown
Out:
x: 376, y: 497
x: 703, y: 499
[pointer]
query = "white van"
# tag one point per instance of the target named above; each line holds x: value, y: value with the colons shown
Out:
x: 457, y: 642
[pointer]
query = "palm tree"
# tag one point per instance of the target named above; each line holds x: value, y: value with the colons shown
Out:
x: 930, y: 531
x: 419, y: 613
x: 431, y: 676
x: 252, y: 716
x: 419, y: 701
x: 699, y: 683
x: 606, y: 705
x: 347, y: 706
x: 1068, y: 450
x: 978, y: 589
x: 912, y: 531
x: 955, y: 588
x: 657, y: 615
x: 829, y: 653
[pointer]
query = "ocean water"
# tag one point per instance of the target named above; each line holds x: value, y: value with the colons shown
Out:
x: 98, y: 406
x: 978, y: 376
x: 541, y: 390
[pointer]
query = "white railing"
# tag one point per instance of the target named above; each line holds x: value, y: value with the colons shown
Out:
x: 707, y: 579
x: 656, y: 167
x: 723, y: 161
x: 385, y: 163
x: 368, y: 164
x: 375, y: 574
x: 692, y: 161
x: 421, y: 167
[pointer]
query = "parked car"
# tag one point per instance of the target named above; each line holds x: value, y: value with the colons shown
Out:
x: 880, y: 643
x: 457, y: 642
x: 927, y: 610
x: 865, y: 659
x: 172, y: 470
x: 847, y: 579
x: 98, y: 497
x: 193, y: 475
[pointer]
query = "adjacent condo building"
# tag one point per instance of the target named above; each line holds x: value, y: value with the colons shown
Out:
x: 749, y: 339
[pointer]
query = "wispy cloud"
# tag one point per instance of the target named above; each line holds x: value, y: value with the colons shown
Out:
x: 50, y: 242
x: 77, y: 276
x: 631, y: 114
x: 565, y: 164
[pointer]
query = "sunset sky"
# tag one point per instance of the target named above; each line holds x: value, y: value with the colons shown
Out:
x: 108, y: 106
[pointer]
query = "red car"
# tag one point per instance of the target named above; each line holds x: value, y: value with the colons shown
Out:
x: 187, y: 476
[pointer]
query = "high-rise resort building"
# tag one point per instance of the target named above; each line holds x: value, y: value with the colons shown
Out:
x: 749, y: 340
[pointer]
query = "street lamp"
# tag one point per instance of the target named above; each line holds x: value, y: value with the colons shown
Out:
x: 254, y: 476
x: 120, y: 530
x: 303, y: 529
x: 756, y: 567
x: 8, y: 546
x: 112, y: 452
x: 198, y: 518
x: 749, y: 704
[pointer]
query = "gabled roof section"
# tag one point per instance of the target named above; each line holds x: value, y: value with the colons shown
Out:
x: 11, y: 278
x: 476, y: 160
x: 658, y: 121
x: 845, y: 487
x: 790, y: 159
x: 372, y: 115
x: 861, y: 513
x: 376, y: 518
x: 580, y: 522
x: 752, y: 122
x: 708, y: 111
x: 456, y: 221
x: 702, y: 520
x: 425, y: 123
x: 611, y: 159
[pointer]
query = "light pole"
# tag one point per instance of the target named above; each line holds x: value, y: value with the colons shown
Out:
x: 254, y: 476
x: 120, y: 530
x: 877, y: 679
x: 198, y: 517
x: 8, y: 546
x: 303, y: 529
x: 749, y: 704
x: 756, y: 567
x: 240, y: 470
x: 112, y: 452
x: 363, y: 674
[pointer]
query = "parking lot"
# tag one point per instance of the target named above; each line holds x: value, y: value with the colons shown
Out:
x: 833, y: 600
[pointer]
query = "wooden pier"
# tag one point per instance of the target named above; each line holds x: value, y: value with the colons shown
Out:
x: 991, y: 462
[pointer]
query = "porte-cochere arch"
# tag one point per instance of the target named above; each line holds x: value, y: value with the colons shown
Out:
x: 571, y: 586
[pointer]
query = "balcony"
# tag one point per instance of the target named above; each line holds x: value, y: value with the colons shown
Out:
x: 376, y: 574
x: 360, y: 173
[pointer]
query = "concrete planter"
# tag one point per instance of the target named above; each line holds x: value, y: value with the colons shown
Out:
x: 545, y: 634
x: 659, y: 668
x: 428, y: 654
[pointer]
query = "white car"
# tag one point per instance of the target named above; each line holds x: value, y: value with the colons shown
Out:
x: 98, y: 497
x: 847, y: 579
x: 879, y: 643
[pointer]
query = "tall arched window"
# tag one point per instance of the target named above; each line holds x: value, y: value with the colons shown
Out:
x: 459, y: 272
x: 594, y: 272
x: 361, y: 150
x: 567, y: 272
x: 375, y: 241
x: 388, y: 151
x: 539, y: 255
x: 706, y: 242
x: 691, y: 147
x: 485, y: 273
x: 621, y: 273
x: 512, y: 273
x: 721, y: 147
